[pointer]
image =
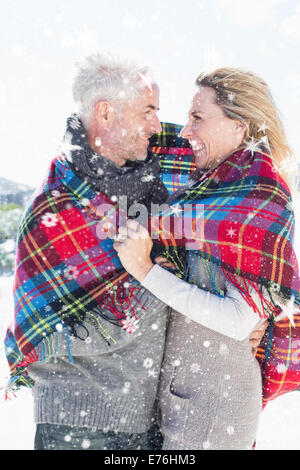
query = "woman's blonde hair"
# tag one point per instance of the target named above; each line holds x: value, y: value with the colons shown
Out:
x: 244, y: 96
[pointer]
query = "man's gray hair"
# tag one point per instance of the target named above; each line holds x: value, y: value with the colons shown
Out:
x: 103, y: 76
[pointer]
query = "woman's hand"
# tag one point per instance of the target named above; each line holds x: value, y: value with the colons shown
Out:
x: 134, y: 250
x: 257, y: 335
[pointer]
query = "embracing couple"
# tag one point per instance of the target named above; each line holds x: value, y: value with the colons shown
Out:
x: 154, y: 337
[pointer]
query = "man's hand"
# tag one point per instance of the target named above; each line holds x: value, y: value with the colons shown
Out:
x: 257, y: 335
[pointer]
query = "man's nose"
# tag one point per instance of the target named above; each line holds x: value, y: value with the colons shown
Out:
x: 156, y: 125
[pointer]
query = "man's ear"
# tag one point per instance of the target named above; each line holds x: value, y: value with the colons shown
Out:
x: 104, y: 114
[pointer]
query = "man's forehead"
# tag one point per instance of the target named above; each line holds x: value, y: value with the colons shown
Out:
x: 146, y: 98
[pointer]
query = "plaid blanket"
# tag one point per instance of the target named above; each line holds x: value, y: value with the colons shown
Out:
x: 63, y: 272
x: 246, y: 229
x: 66, y: 267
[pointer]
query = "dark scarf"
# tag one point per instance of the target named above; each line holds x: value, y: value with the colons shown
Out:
x: 137, y: 180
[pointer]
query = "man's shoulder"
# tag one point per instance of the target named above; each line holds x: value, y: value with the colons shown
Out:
x: 169, y: 137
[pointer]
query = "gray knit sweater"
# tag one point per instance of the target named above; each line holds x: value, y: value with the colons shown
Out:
x: 210, y: 387
x: 107, y: 387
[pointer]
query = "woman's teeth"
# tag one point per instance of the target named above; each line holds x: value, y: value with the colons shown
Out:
x: 196, y: 146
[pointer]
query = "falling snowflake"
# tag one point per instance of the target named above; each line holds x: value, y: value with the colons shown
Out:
x: 231, y: 232
x: 71, y: 272
x: 55, y: 193
x: 126, y: 387
x: 147, y: 178
x: 281, y: 368
x: 253, y: 146
x: 206, y: 445
x: 84, y: 202
x: 66, y: 147
x: 148, y: 363
x: 195, y: 368
x: 176, y: 210
x: 152, y: 373
x: 59, y: 327
x: 230, y: 430
x: 85, y: 444
x: 49, y: 219
x: 263, y: 127
x: 206, y: 344
x: 223, y: 351
x: 130, y: 325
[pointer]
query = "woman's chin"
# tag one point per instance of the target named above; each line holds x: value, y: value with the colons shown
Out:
x: 201, y: 159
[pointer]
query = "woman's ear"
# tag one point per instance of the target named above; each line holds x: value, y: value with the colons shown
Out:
x: 241, y: 128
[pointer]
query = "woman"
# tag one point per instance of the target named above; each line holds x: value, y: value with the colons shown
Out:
x: 241, y: 253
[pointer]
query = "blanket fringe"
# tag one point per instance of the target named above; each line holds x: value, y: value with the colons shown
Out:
x: 47, y: 349
x: 266, y: 309
x: 119, y: 303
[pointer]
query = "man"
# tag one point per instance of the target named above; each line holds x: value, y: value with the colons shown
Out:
x: 88, y: 335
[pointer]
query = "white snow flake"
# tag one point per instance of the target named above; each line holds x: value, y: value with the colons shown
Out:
x: 206, y: 445
x: 147, y: 178
x: 49, y: 219
x: 130, y: 325
x: 263, y: 127
x: 85, y: 444
x: 71, y: 272
x: 176, y: 210
x: 195, y: 368
x: 281, y: 368
x: 223, y: 351
x: 148, y: 363
x: 231, y: 232
x: 230, y: 430
x: 126, y: 387
x: 253, y: 146
x: 152, y: 373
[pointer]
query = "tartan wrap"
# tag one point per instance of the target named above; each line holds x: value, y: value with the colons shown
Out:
x: 66, y: 267
x: 175, y: 154
x: 246, y: 229
x: 38, y: 292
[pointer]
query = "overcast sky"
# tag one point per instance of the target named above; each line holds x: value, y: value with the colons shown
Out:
x: 40, y: 40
